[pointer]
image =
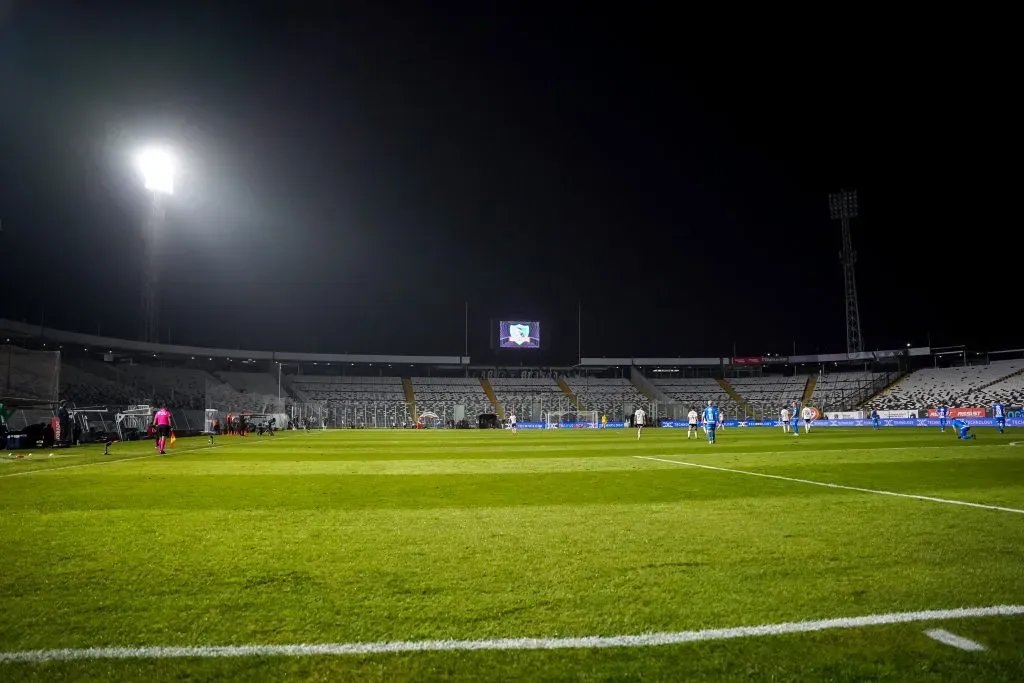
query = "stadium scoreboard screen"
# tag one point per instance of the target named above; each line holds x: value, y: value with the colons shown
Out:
x: 519, y: 334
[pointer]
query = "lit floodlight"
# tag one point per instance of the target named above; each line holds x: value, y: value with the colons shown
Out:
x: 157, y: 166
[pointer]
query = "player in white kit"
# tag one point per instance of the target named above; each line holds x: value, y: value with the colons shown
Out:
x: 692, y: 418
x: 784, y: 418
x: 639, y: 418
x: 808, y: 414
x: 512, y: 421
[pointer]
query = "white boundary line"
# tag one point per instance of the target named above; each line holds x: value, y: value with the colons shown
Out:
x: 205, y: 447
x: 387, y: 647
x: 931, y: 499
x: 953, y: 640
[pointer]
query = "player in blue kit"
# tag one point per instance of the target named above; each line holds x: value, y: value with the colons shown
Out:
x: 876, y: 422
x: 794, y: 418
x: 710, y: 418
x: 999, y: 413
x: 963, y: 429
x: 943, y: 414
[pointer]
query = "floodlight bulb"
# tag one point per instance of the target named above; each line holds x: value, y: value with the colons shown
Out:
x: 157, y: 166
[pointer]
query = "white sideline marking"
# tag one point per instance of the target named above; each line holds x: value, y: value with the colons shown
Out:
x: 205, y: 447
x: 931, y: 499
x: 953, y: 640
x: 385, y: 647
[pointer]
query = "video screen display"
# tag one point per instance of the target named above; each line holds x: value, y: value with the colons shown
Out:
x: 519, y: 334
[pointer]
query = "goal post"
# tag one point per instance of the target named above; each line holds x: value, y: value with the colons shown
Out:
x: 570, y: 419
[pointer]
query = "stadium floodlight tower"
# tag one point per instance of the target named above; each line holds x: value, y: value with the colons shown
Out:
x: 843, y: 207
x: 157, y: 166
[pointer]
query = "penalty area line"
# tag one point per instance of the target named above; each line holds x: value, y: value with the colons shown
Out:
x: 881, y: 492
x: 505, y: 644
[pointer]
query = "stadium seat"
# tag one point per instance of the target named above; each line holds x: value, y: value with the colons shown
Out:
x: 962, y: 387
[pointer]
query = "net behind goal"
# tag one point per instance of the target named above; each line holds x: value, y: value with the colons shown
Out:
x: 572, y: 419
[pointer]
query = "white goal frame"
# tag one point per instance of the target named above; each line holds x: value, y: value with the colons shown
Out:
x: 554, y: 419
x: 133, y: 417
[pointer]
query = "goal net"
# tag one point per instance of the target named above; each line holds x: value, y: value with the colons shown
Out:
x: 571, y: 419
x: 133, y: 422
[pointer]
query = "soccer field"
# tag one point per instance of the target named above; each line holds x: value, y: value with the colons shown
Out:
x: 469, y: 555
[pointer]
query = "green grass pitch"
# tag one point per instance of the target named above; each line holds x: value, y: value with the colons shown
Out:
x: 371, y: 536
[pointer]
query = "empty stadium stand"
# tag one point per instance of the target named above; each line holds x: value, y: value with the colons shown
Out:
x: 355, y: 401
x: 530, y: 397
x: 251, y: 382
x: 347, y: 389
x: 85, y: 388
x: 768, y: 394
x: 970, y: 386
x: 441, y: 394
x: 845, y: 390
x: 1009, y: 390
x: 694, y: 392
x: 174, y: 386
x: 614, y: 397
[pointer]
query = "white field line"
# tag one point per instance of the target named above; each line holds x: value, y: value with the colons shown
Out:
x: 953, y: 640
x: 880, y: 492
x: 174, y: 451
x: 386, y: 647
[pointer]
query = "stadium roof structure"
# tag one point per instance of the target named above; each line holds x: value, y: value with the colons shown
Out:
x: 14, y: 329
x: 862, y: 356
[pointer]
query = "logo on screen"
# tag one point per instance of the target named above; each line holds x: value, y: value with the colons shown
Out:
x: 519, y: 334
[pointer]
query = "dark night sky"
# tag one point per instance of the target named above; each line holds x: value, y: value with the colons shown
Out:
x: 354, y: 176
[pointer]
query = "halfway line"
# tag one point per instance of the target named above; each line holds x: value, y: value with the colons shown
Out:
x: 388, y: 647
x: 838, y: 486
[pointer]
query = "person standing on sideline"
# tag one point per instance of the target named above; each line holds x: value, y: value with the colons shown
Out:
x: 162, y: 422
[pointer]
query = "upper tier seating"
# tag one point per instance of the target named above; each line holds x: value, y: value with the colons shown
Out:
x: 958, y: 387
